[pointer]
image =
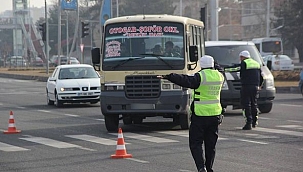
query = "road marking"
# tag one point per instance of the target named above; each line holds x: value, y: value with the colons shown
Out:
x: 137, y: 160
x: 175, y: 133
x: 291, y: 105
x: 182, y: 134
x: 251, y: 141
x: 71, y: 115
x: 185, y: 170
x: 147, y: 138
x: 263, y: 117
x: 99, y: 119
x: 294, y: 121
x: 50, y: 142
x: 1, y: 104
x: 291, y: 126
x: 21, y: 107
x: 93, y: 139
x: 10, y: 148
x: 47, y: 111
x: 277, y: 131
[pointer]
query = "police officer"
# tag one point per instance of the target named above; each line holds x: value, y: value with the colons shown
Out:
x: 206, y: 110
x: 251, y: 80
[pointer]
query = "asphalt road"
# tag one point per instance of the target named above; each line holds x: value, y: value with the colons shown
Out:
x: 74, y: 138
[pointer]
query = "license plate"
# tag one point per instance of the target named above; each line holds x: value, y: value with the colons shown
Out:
x: 85, y: 94
x: 142, y: 106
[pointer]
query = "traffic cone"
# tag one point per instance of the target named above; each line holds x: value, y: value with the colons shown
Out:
x: 121, y: 150
x: 11, y: 125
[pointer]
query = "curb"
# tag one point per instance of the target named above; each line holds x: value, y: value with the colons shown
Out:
x: 294, y: 90
x: 24, y: 77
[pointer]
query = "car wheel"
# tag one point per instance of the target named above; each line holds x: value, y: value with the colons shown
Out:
x: 58, y: 102
x: 111, y: 122
x: 49, y: 101
x: 184, y: 121
x: 265, y: 108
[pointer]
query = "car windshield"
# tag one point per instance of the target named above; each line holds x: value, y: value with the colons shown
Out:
x: 145, y: 42
x: 229, y: 55
x: 78, y: 73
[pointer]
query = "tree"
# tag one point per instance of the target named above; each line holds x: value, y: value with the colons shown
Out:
x: 292, y: 13
x: 133, y: 7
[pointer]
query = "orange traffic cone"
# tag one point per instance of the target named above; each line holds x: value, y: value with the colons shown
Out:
x: 121, y: 150
x: 11, y: 125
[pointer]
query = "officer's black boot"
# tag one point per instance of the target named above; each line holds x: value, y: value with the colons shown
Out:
x: 203, y: 170
x: 254, y: 124
x: 247, y: 126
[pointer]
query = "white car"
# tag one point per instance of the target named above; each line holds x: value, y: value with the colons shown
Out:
x: 72, y: 60
x: 75, y: 83
x: 279, y: 62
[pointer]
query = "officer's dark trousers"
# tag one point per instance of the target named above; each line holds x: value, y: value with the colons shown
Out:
x: 249, y: 95
x: 203, y: 129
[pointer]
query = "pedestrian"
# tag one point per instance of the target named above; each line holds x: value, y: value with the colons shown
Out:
x: 205, y: 110
x: 251, y: 81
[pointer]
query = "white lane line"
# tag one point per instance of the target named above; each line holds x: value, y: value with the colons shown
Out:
x: 93, y: 139
x: 291, y: 126
x: 291, y: 105
x: 182, y: 134
x: 20, y: 107
x: 263, y: 117
x: 185, y: 170
x: 50, y: 142
x: 71, y: 115
x: 1, y: 104
x: 251, y: 141
x: 294, y: 121
x: 147, y: 138
x: 175, y: 133
x: 10, y: 148
x: 277, y: 131
x: 99, y: 119
x: 47, y: 111
x: 137, y: 160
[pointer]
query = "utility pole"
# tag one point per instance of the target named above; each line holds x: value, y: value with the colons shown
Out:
x: 47, y: 40
x: 268, y: 18
x: 214, y: 19
x: 59, y: 32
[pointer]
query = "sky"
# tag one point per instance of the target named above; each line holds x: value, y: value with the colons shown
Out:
x: 8, y: 4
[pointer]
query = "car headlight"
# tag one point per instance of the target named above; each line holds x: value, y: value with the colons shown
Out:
x: 112, y: 87
x: 269, y: 84
x: 66, y: 89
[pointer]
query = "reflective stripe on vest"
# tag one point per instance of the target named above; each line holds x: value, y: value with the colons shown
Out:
x: 251, y: 64
x: 207, y: 95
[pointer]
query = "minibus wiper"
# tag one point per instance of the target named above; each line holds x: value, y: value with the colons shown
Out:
x: 122, y: 62
x: 158, y: 56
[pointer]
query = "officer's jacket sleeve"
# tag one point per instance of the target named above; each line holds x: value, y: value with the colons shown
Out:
x: 186, y: 81
x: 234, y: 68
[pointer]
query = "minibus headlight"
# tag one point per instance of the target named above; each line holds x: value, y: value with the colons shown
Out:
x: 225, y: 86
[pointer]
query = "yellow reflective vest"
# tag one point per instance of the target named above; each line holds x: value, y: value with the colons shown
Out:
x: 251, y: 64
x: 207, y: 95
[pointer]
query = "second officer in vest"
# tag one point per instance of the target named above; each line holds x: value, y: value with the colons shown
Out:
x: 206, y: 110
x: 251, y: 81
